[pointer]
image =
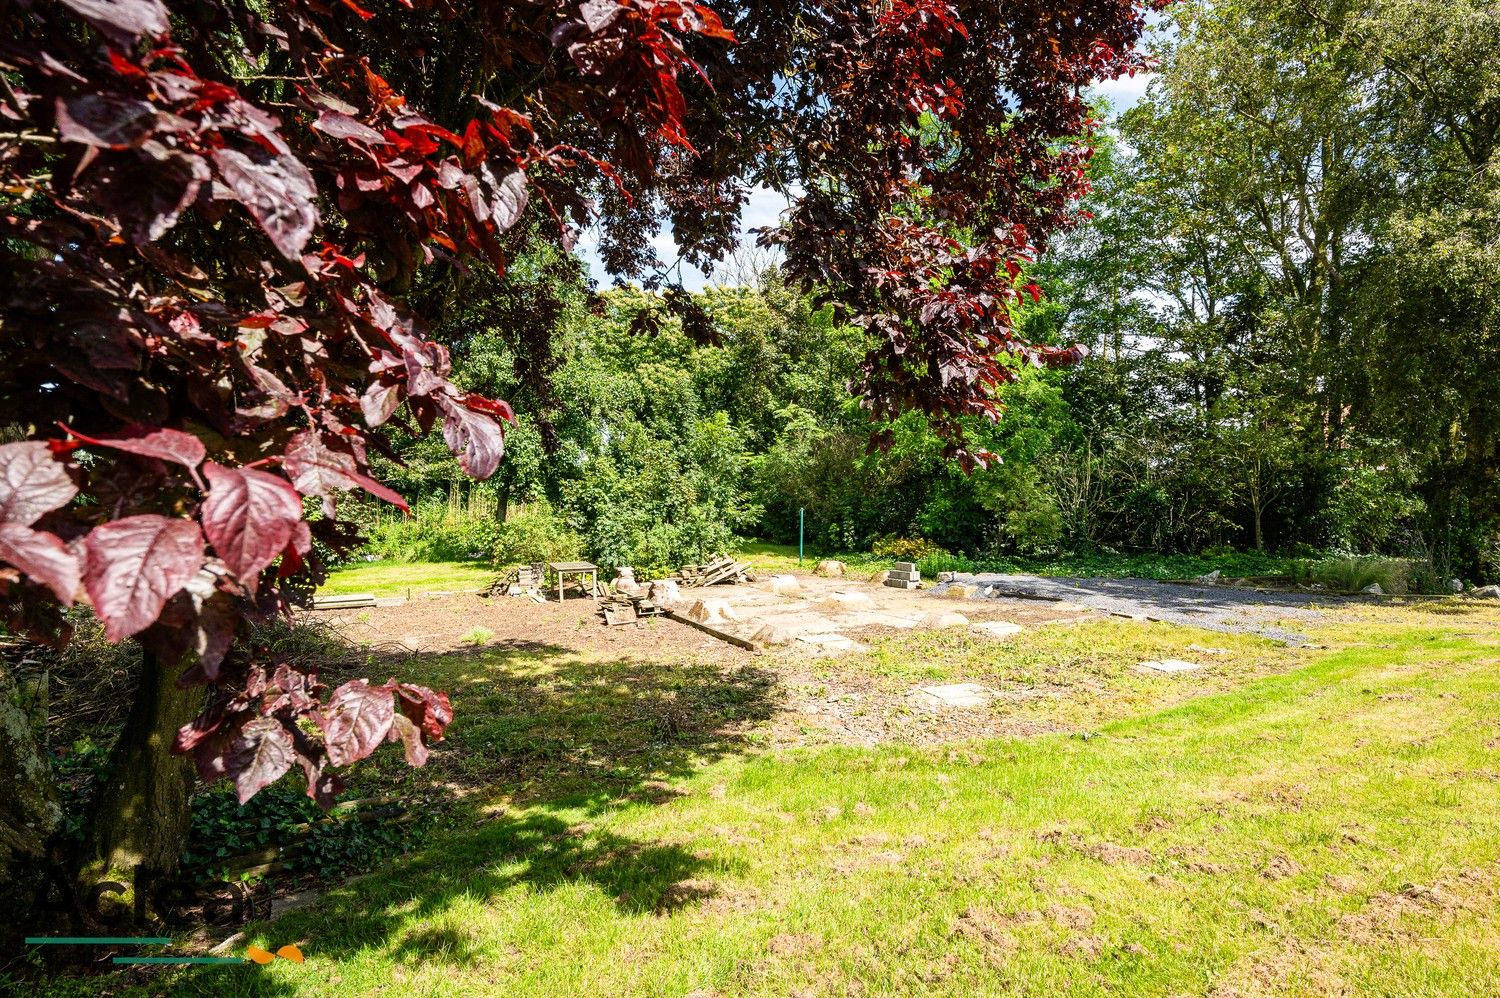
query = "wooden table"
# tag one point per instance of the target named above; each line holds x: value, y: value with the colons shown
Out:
x: 579, y: 568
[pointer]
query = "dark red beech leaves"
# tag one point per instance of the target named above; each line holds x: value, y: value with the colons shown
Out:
x: 222, y: 222
x: 208, y: 212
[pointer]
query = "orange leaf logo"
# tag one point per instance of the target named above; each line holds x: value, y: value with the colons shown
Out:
x: 263, y: 957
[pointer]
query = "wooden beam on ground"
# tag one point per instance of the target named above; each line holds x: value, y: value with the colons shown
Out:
x: 733, y: 639
x: 352, y: 601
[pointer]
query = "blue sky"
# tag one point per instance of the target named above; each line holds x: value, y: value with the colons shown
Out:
x: 765, y: 206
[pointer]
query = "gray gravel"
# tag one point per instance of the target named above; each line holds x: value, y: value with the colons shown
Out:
x: 1215, y: 608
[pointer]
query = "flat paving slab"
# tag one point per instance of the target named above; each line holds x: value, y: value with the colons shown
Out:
x: 1171, y: 665
x: 956, y: 695
x: 830, y: 644
x: 999, y: 628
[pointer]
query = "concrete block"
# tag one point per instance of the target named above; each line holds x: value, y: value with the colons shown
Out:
x: 898, y: 584
x: 906, y: 566
x: 903, y: 576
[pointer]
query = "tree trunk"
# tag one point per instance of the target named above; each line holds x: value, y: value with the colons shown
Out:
x: 141, y: 815
x: 29, y: 813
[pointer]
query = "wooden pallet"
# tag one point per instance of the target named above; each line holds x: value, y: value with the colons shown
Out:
x: 721, y: 569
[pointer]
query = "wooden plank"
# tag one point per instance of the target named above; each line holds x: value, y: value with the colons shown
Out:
x: 353, y: 601
x: 733, y: 639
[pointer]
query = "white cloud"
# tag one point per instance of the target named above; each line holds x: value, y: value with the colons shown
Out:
x: 1125, y: 92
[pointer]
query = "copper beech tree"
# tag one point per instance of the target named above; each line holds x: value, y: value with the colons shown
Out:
x: 214, y: 215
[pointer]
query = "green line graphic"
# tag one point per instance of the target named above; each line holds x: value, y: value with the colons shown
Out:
x: 98, y: 940
x: 179, y: 959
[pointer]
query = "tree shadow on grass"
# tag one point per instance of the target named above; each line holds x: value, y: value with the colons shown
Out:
x: 551, y: 737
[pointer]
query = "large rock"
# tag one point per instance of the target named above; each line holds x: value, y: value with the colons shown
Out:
x: 771, y: 634
x: 712, y: 611
x: 785, y: 585
x: 944, y: 620
x: 879, y: 578
x: 960, y: 591
x: 625, y: 580
x: 845, y: 601
x: 1485, y: 592
x: 829, y: 569
x: 665, y: 593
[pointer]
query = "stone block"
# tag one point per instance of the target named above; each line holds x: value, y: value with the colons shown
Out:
x: 712, y: 611
x: 785, y: 585
x: 901, y: 575
x: 665, y: 593
x: 898, y: 584
x: 944, y: 620
x: 845, y: 601
x: 906, y: 566
x: 771, y: 634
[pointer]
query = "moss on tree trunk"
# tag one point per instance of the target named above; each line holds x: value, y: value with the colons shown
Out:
x: 141, y: 814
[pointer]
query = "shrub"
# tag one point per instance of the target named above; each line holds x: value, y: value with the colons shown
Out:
x: 279, y: 816
x: 537, y: 534
x: 1351, y: 574
x: 435, y: 531
x: 904, y: 548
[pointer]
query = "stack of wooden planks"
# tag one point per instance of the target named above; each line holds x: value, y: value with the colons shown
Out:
x: 721, y: 569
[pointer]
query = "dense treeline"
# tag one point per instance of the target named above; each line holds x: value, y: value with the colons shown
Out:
x: 1290, y: 290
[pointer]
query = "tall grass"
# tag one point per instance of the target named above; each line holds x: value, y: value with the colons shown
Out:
x: 1353, y: 574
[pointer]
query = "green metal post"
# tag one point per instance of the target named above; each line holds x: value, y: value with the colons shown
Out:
x: 801, y: 515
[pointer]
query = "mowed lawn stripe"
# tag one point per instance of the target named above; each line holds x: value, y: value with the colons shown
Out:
x: 1330, y: 830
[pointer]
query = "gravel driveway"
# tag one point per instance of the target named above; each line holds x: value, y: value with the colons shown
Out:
x: 1216, y: 608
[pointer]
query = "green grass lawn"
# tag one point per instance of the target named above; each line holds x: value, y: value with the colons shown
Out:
x: 1329, y: 829
x: 391, y: 578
